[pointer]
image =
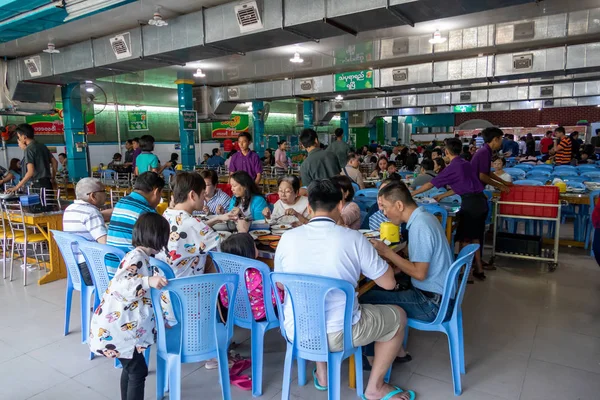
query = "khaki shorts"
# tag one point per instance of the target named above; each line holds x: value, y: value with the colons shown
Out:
x: 378, y: 323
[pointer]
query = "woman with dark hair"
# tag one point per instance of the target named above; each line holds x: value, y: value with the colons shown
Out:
x: 247, y: 199
x: 13, y: 175
x: 281, y: 161
x: 174, y: 160
x: 364, y: 151
x: 291, y: 208
x: 147, y: 161
x: 529, y: 145
x: 268, y: 160
x: 382, y: 164
x: 438, y: 165
x: 575, y: 145
x: 350, y: 212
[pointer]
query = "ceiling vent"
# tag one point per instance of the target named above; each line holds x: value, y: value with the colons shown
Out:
x: 248, y: 17
x: 338, y: 105
x: 547, y: 91
x: 523, y: 62
x: 433, y: 109
x: 400, y: 75
x: 233, y: 93
x: 396, y: 101
x: 306, y: 85
x: 400, y: 46
x: 465, y: 96
x: 357, y: 119
x: 548, y: 103
x: 524, y: 31
x: 121, y: 45
x: 34, y: 66
x: 486, y: 106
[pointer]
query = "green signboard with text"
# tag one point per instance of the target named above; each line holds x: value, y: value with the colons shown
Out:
x: 190, y: 120
x: 465, y: 108
x: 137, y: 120
x: 357, y: 80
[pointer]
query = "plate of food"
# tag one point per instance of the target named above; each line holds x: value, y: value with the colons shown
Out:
x: 269, y: 238
x: 258, y: 233
x: 224, y: 234
x: 368, y: 233
x: 281, y: 227
x: 273, y: 245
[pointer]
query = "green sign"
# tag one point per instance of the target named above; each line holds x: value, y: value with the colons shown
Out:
x: 231, y: 129
x: 190, y: 120
x: 466, y: 108
x: 356, y: 80
x: 137, y: 120
x: 354, y: 54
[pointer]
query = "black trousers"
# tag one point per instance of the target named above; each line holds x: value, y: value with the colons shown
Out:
x: 133, y: 377
x: 43, y: 183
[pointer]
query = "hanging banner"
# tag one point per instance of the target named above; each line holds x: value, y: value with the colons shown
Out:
x: 190, y: 120
x: 137, y: 120
x: 53, y: 124
x: 357, y: 80
x: 231, y: 129
x: 354, y: 54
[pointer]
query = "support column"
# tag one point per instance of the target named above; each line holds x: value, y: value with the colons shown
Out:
x: 259, y: 127
x: 75, y: 138
x: 345, y: 125
x: 309, y: 114
x: 395, y: 129
x: 373, y: 133
x: 185, y: 98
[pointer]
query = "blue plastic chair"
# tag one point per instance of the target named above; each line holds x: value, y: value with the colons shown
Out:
x: 306, y: 295
x: 365, y: 198
x: 229, y: 263
x: 587, y: 167
x: 579, y: 179
x: 515, y: 173
x: 454, y: 199
x: 589, y: 234
x: 356, y: 187
x: 564, y: 173
x: 536, y: 177
x: 436, y: 209
x: 199, y: 336
x: 66, y: 242
x: 545, y: 167
x: 539, y: 172
x: 452, y: 327
x: 511, y: 161
x: 591, y: 174
x: 528, y: 182
x: 524, y: 167
x: 575, y: 185
x: 565, y: 168
x: 164, y: 268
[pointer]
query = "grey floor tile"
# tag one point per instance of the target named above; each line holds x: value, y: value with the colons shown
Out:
x: 24, y: 376
x: 551, y: 381
x: 567, y: 348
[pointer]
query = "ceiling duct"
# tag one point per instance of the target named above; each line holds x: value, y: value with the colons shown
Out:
x: 248, y: 17
x: 524, y: 31
x: 213, y: 104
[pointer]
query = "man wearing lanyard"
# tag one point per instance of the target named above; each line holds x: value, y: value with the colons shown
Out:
x: 40, y: 166
x: 246, y: 159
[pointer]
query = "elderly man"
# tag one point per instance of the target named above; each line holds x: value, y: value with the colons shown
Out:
x: 84, y: 218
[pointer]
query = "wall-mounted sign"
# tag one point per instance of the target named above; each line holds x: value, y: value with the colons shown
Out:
x: 465, y: 108
x: 356, y: 80
x: 354, y: 54
x: 190, y: 120
x: 53, y: 124
x: 137, y: 120
x: 231, y: 129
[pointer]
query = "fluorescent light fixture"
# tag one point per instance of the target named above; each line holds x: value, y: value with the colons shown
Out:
x: 437, y: 37
x: 296, y: 59
x: 503, y: 82
x: 199, y: 73
x: 89, y: 90
x: 339, y: 97
x: 412, y: 88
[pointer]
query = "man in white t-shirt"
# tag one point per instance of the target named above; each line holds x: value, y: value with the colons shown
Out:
x: 324, y: 248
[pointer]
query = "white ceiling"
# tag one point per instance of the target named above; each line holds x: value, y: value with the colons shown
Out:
x: 112, y: 21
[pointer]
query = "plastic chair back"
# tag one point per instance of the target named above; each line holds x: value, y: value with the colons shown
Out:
x: 199, y: 332
x: 356, y: 187
x: 533, y: 176
x: 225, y: 187
x: 524, y: 167
x: 162, y: 267
x: 365, y: 198
x: 515, y: 173
x: 436, y: 210
x: 232, y: 264
x: 454, y: 199
x: 115, y: 196
x: 543, y: 167
x: 65, y: 242
x: 367, y: 193
x: 591, y: 174
x: 95, y: 255
x: 565, y: 173
x: 593, y: 199
x: 528, y: 182
x: 272, y: 198
x: 51, y: 198
x: 306, y: 294
x: 539, y: 172
x: 565, y: 168
x: 587, y: 167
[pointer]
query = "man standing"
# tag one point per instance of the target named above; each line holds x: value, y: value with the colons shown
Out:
x: 319, y: 164
x: 342, y: 253
x: 351, y: 170
x: 128, y: 153
x: 546, y: 142
x: 339, y: 147
x: 563, y: 150
x: 510, y: 148
x: 39, y: 164
x: 482, y: 160
x: 246, y: 159
x: 216, y: 160
x: 84, y: 218
x: 135, y: 142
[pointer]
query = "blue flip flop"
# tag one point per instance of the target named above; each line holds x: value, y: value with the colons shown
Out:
x: 393, y: 393
x: 316, y: 382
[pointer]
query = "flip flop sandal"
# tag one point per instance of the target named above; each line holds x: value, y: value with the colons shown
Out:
x: 243, y: 382
x: 316, y: 382
x: 239, y: 366
x: 393, y: 393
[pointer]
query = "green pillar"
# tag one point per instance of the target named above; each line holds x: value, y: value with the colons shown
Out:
x: 309, y: 114
x: 344, y: 124
x: 75, y: 138
x: 259, y: 127
x: 186, y: 137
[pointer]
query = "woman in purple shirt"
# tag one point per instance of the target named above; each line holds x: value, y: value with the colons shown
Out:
x: 246, y: 159
x: 463, y: 181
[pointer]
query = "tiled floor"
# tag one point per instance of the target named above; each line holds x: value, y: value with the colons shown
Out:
x: 529, y: 335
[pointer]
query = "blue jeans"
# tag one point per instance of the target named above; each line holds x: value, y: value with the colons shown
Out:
x: 412, y: 301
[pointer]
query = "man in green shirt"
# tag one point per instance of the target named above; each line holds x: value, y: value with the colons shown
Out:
x: 39, y: 165
x: 339, y: 147
x: 319, y: 164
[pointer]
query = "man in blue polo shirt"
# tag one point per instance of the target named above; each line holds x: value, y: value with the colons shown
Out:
x: 146, y: 195
x: 429, y: 256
